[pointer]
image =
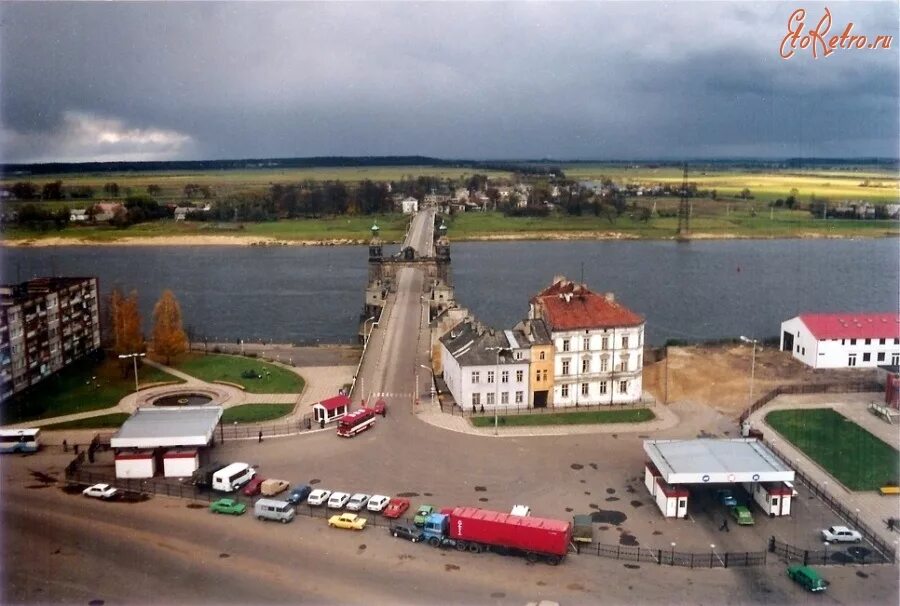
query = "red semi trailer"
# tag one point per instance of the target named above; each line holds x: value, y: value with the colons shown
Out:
x: 479, y: 530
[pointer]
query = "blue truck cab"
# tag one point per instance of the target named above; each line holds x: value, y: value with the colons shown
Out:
x: 435, y: 530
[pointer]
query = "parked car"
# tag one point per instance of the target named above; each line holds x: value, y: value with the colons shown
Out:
x: 100, y: 491
x: 349, y: 521
x: 357, y: 501
x: 338, y: 499
x: 227, y: 506
x: 380, y: 408
x: 270, y: 488
x: 841, y: 534
x: 742, y: 515
x: 318, y: 497
x: 421, y: 513
x: 252, y: 488
x: 807, y: 577
x: 396, y: 507
x: 405, y: 531
x: 725, y: 497
x: 299, y: 494
x: 378, y: 502
x: 270, y: 509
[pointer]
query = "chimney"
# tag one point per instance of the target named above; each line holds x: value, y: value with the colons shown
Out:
x: 610, y: 297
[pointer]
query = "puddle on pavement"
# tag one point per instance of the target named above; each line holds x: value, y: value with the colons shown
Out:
x: 594, y: 465
x: 576, y: 466
x: 637, y: 504
x: 628, y: 540
x: 587, y: 493
x: 483, y: 499
x: 407, y: 494
x: 449, y: 567
x: 613, y: 518
x: 615, y: 436
x: 610, y: 491
x: 593, y: 506
x: 632, y: 566
x: 427, y: 494
x: 611, y: 499
x: 498, y: 594
x: 42, y: 477
x: 480, y: 489
x: 861, y: 574
x: 362, y: 547
x: 568, y: 510
x: 657, y: 532
x: 224, y: 555
x: 314, y: 481
x: 583, y: 481
x: 195, y: 506
x: 541, y: 583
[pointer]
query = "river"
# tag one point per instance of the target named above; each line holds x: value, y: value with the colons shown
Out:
x: 698, y: 290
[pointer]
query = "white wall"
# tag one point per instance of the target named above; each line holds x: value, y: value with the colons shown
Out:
x: 835, y: 353
x: 459, y: 381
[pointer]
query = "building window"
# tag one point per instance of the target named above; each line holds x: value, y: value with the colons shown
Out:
x: 490, y: 398
x: 490, y: 376
x: 504, y: 376
x: 867, y: 357
x: 586, y: 365
x: 520, y: 397
x: 604, y: 365
x: 623, y: 365
x: 881, y: 341
x: 604, y: 343
x: 851, y: 360
x: 868, y: 341
x: 565, y: 391
x: 586, y: 344
x: 803, y: 352
x: 895, y: 359
x: 476, y: 376
x: 602, y: 387
x: 519, y: 375
x: 852, y: 341
x: 565, y: 345
x: 843, y: 341
x: 545, y: 375
x: 476, y: 399
x: 623, y: 386
x: 518, y: 355
x: 537, y: 376
x: 584, y: 389
x: 504, y: 398
x: 881, y: 356
x: 896, y: 341
x: 624, y: 342
x: 565, y: 367
x: 541, y: 356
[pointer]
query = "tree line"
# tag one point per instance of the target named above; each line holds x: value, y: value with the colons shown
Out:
x: 125, y: 335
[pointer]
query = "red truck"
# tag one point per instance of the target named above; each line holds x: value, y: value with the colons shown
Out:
x: 477, y: 530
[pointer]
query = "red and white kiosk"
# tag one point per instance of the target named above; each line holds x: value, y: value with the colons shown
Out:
x: 331, y: 409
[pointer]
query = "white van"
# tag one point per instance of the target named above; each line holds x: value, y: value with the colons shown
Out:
x: 229, y: 479
x: 270, y: 509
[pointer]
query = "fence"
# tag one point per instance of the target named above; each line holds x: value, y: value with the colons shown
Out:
x: 255, y: 430
x: 848, y: 387
x: 670, y: 557
x: 836, y: 555
x: 884, y: 553
x: 505, y: 411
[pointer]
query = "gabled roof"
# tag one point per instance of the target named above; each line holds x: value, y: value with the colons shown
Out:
x: 853, y: 326
x: 334, y: 402
x: 468, y: 343
x: 566, y: 305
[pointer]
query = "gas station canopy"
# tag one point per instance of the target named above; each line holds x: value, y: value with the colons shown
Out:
x: 716, y: 461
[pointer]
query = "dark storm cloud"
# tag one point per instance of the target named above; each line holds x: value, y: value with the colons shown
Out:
x: 179, y: 80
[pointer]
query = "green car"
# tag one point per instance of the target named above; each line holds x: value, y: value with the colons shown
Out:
x: 421, y: 513
x: 229, y: 506
x: 807, y: 577
x: 742, y: 515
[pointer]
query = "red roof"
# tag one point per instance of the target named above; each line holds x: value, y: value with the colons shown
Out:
x: 853, y: 326
x: 335, y: 402
x: 567, y: 305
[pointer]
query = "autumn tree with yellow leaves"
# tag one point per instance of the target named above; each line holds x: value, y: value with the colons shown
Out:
x: 125, y: 319
x: 169, y: 338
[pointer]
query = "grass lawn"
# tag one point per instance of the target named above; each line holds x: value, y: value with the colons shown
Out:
x: 255, y: 413
x: 112, y: 420
x: 83, y: 386
x: 632, y: 415
x: 859, y: 460
x: 216, y: 367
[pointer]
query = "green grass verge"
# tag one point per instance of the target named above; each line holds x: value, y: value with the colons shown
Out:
x: 112, y: 420
x: 216, y: 367
x: 855, y: 457
x: 86, y: 385
x: 255, y: 413
x: 632, y: 415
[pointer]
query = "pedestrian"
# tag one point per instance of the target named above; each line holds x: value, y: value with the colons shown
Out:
x: 890, y: 524
x: 65, y: 446
x: 724, y: 526
x: 260, y: 435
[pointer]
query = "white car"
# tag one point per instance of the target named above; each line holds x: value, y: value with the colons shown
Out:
x: 378, y: 502
x: 100, y: 491
x: 318, y: 497
x: 338, y: 500
x: 841, y: 534
x: 357, y: 501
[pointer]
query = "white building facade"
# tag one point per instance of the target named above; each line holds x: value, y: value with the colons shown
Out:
x: 409, y: 205
x: 843, y: 340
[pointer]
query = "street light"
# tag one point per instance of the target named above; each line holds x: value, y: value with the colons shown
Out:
x: 673, y: 553
x: 134, y: 357
x: 498, y: 349
x: 416, y: 397
x: 752, y: 365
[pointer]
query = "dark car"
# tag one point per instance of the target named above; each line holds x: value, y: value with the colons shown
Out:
x: 299, y: 494
x: 404, y: 531
x: 253, y: 487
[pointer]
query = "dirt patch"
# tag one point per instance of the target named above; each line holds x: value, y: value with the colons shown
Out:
x: 362, y: 547
x: 575, y: 586
x: 587, y: 493
x: 541, y: 583
x: 498, y: 594
x: 42, y: 477
x: 613, y: 518
x: 568, y: 510
x: 427, y: 494
x: 594, y: 465
x: 405, y: 556
x: 483, y: 499
x: 195, y: 506
x: 407, y: 494
x: 449, y: 567
x: 657, y: 532
x: 583, y: 481
x: 314, y: 481
x: 576, y: 466
x: 593, y: 506
x: 861, y: 574
x: 610, y: 491
x: 611, y: 499
x: 224, y: 555
x: 637, y: 504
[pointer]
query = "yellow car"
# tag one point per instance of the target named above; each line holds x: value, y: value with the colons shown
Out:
x: 350, y: 521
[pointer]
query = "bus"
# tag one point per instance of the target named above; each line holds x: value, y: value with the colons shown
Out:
x: 359, y: 420
x: 20, y: 440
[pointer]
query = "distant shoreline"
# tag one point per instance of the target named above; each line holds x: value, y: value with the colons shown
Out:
x: 221, y: 240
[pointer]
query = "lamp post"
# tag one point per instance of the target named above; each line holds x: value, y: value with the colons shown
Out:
x: 752, y: 365
x: 498, y: 349
x: 134, y: 357
x: 712, y: 549
x: 416, y: 401
x: 673, y: 553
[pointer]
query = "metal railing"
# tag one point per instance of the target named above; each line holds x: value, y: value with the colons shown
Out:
x: 838, y: 387
x: 522, y: 409
x: 838, y: 555
x: 670, y: 557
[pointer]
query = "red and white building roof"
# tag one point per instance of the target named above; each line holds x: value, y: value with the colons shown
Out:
x: 843, y: 340
x: 852, y: 326
x: 566, y: 305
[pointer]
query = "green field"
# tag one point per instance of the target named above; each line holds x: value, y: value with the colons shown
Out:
x: 217, y: 367
x: 633, y: 415
x: 110, y: 421
x: 85, y: 385
x: 852, y: 455
x: 255, y: 413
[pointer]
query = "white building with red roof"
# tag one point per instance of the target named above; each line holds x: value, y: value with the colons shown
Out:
x: 844, y: 340
x: 598, y: 345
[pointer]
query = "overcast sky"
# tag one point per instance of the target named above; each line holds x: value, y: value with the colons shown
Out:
x: 147, y: 81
